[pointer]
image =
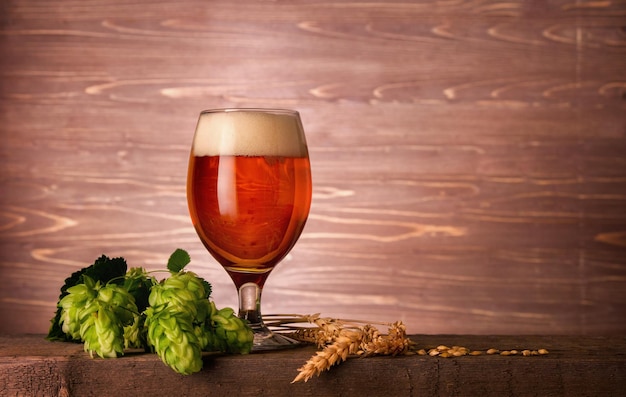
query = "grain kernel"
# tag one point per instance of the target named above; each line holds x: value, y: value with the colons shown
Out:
x: 475, y: 353
x: 514, y: 352
x: 542, y: 351
x: 421, y: 352
x: 526, y: 352
x: 493, y: 351
x: 433, y: 352
x: 445, y: 355
x: 442, y: 348
x: 505, y: 353
x: 458, y: 353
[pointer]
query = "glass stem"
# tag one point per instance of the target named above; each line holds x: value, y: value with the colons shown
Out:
x: 250, y: 309
x: 250, y: 305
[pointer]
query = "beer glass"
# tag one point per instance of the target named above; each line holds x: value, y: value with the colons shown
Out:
x: 249, y: 193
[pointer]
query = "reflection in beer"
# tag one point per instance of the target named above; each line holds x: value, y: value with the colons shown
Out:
x: 226, y: 188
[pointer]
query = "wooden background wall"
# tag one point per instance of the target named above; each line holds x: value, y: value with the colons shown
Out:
x: 469, y: 156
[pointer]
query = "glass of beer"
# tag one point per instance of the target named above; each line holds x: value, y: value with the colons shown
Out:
x: 249, y: 193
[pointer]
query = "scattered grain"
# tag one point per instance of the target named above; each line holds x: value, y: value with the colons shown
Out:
x: 340, y: 339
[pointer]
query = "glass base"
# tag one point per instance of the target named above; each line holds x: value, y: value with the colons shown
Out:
x: 250, y: 311
x: 266, y: 340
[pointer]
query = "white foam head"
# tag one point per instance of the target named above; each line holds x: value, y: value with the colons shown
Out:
x: 249, y: 132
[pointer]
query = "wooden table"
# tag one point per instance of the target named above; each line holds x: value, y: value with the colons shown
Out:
x: 575, y: 366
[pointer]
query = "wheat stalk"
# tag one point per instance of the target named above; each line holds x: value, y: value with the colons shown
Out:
x: 339, y: 339
x: 334, y: 353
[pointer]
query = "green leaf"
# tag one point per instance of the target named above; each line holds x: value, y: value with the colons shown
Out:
x: 138, y: 283
x: 178, y: 260
x: 207, y: 287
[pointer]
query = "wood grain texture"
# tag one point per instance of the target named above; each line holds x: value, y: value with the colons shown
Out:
x: 469, y: 157
x: 578, y: 366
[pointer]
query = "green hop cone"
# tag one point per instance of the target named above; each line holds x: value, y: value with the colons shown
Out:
x: 73, y: 306
x: 175, y: 321
x: 102, y: 333
x: 171, y: 334
x: 102, y: 322
x: 231, y: 334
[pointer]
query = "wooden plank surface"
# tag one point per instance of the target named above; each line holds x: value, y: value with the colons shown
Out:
x: 469, y: 157
x: 589, y: 366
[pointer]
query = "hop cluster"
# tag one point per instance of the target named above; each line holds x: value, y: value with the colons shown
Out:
x: 98, y: 315
x: 182, y: 322
x: 110, y: 312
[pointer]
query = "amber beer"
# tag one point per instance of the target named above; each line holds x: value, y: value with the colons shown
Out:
x: 249, y: 189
